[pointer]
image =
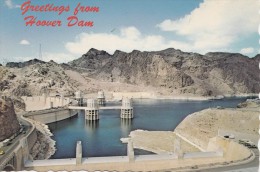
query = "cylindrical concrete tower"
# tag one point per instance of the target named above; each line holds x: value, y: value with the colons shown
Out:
x: 78, y: 95
x: 127, y: 109
x: 101, y: 98
x: 62, y: 99
x: 79, y: 98
x: 91, y: 113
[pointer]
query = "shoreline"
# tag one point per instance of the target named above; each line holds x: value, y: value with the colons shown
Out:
x: 189, y: 98
x: 45, y: 131
x: 44, y: 141
x: 163, y: 152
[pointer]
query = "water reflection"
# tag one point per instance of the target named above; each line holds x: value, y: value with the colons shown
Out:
x: 126, y: 125
x: 102, y: 138
x: 61, y: 125
x: 91, y: 126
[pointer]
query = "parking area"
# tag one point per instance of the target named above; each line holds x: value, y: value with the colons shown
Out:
x: 248, y: 144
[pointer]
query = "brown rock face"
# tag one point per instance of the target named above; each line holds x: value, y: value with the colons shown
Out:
x: 9, y: 124
x: 215, y: 73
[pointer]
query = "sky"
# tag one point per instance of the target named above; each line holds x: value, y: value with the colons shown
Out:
x: 199, y: 26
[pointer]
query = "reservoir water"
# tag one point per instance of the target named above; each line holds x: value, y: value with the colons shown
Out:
x: 102, y: 138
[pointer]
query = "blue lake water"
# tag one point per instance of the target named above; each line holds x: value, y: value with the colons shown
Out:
x: 102, y: 138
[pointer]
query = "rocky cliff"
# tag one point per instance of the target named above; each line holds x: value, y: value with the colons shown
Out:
x: 34, y: 79
x: 170, y: 72
x: 8, y: 120
x: 92, y: 60
x: 175, y: 71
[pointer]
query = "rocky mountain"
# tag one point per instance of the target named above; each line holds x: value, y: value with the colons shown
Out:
x: 168, y: 72
x: 177, y: 72
x: 8, y: 120
x: 92, y: 60
x: 24, y: 64
x: 34, y: 78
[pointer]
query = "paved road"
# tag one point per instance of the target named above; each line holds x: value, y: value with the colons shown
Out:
x: 253, y: 165
x: 10, y: 148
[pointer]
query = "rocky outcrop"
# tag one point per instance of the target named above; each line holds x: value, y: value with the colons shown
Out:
x: 92, y: 60
x: 35, y: 79
x: 24, y: 64
x: 8, y: 120
x: 44, y: 147
x: 22, y: 90
x: 212, y: 74
x: 4, y: 85
x: 249, y: 103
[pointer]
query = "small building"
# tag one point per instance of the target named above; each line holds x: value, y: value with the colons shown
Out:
x: 78, y: 97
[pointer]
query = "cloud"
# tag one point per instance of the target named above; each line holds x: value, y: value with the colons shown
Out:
x: 128, y: 39
x: 24, y: 42
x: 248, y: 50
x: 215, y: 25
x: 10, y: 4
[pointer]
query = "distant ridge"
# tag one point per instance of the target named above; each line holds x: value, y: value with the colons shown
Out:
x: 171, y: 69
x: 23, y: 64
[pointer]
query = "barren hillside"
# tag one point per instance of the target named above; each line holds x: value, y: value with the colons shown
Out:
x: 168, y: 72
x: 174, y: 71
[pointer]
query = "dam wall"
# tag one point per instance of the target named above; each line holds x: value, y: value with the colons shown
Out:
x: 51, y: 115
x: 43, y: 102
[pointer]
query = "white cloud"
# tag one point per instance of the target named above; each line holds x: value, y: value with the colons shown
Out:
x: 248, y: 50
x: 24, y: 42
x: 215, y: 25
x: 129, y: 39
x: 10, y: 4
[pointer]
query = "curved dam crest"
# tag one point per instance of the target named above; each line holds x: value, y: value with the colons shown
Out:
x: 51, y: 115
